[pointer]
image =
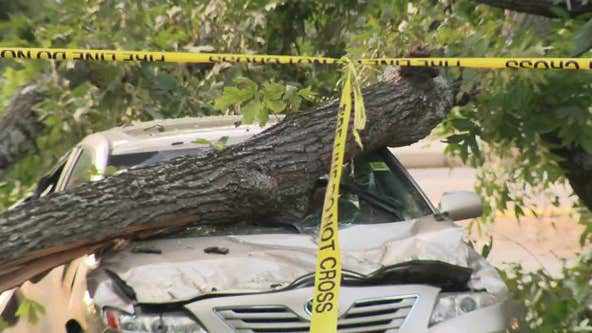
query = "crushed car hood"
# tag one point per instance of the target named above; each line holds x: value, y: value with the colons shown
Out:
x: 175, y: 270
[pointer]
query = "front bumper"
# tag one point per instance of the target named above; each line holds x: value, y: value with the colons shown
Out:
x: 395, y: 308
x: 400, y: 308
x: 489, y: 319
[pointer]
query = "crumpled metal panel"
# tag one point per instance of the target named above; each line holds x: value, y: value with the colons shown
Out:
x: 258, y: 263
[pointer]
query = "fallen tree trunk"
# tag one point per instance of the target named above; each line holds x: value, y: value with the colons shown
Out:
x: 269, y: 174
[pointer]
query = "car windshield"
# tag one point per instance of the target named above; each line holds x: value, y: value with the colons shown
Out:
x: 151, y: 157
x: 374, y: 189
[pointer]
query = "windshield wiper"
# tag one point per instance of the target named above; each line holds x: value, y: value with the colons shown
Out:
x: 285, y: 225
x: 374, y: 200
x: 369, y: 197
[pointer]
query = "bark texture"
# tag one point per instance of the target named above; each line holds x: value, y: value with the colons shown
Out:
x: 260, y: 177
x: 19, y: 127
x: 540, y: 7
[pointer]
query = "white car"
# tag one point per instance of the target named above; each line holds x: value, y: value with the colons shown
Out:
x: 405, y: 265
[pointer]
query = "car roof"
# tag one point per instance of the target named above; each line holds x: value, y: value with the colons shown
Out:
x: 172, y: 134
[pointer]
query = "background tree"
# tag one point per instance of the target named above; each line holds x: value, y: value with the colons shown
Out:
x: 520, y: 129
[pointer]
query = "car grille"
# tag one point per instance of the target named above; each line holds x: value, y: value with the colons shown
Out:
x: 377, y: 315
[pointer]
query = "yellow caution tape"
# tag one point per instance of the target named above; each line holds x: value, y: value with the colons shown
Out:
x: 188, y: 57
x: 328, y: 271
x: 141, y: 56
x: 493, y: 63
x: 328, y: 268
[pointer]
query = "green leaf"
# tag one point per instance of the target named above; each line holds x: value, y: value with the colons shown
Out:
x: 585, y: 140
x: 486, y: 249
x: 250, y: 110
x: 274, y: 105
x: 30, y: 310
x: 218, y: 145
x: 456, y: 138
x: 90, y: 173
x: 464, y: 153
x: 246, y: 84
x: 165, y: 83
x: 470, y: 77
x: 518, y: 211
x: 472, y: 142
x: 583, y: 40
x: 262, y: 117
x: 232, y: 96
x: 223, y: 140
x: 560, y: 12
x: 110, y: 170
x: 292, y: 98
x: 307, y: 94
x: 273, y: 91
x: 462, y: 124
x: 221, y: 143
x: 3, y: 324
x: 202, y: 141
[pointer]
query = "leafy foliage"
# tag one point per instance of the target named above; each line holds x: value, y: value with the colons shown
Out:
x: 218, y: 145
x: 554, y: 305
x: 88, y: 97
x: 258, y: 103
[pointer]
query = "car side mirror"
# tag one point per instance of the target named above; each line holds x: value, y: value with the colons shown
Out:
x: 461, y: 205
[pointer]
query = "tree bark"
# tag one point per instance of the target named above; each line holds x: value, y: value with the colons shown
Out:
x: 540, y: 7
x: 267, y: 175
x: 19, y: 127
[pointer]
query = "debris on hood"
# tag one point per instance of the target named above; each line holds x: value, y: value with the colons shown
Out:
x: 265, y: 262
x: 146, y: 250
x: 216, y: 250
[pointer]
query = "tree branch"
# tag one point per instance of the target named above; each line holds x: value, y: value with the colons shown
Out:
x: 262, y: 177
x: 540, y: 7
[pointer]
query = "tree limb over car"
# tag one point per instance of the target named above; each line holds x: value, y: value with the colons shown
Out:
x: 270, y: 174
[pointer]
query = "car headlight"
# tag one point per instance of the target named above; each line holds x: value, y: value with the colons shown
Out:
x: 168, y: 322
x: 450, y: 305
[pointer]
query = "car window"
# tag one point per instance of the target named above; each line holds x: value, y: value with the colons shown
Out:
x: 373, y: 190
x: 83, y: 165
x: 150, y: 158
x: 48, y: 183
